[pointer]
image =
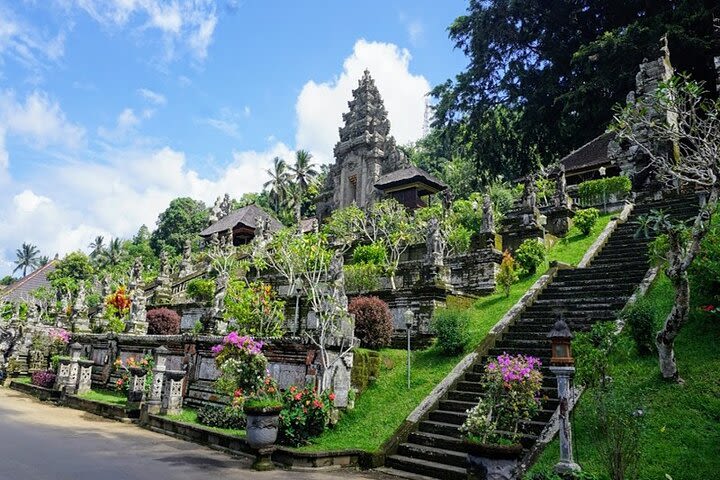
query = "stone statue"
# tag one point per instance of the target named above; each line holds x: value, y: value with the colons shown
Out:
x: 135, y: 274
x: 215, y: 212
x: 221, y: 285
x: 226, y: 240
x: 259, y: 227
x: 225, y: 206
x: 336, y: 279
x: 138, y: 313
x: 80, y: 307
x: 10, y: 335
x: 214, y: 240
x: 488, y: 216
x: 447, y: 200
x: 186, y: 263
x: 560, y: 196
x: 434, y: 244
x: 105, y: 291
x: 529, y: 198
x: 164, y: 265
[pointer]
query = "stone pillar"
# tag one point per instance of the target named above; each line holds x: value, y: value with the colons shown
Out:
x: 75, y: 351
x: 154, y: 403
x: 567, y: 464
x: 84, y: 383
x: 136, y: 388
x: 63, y: 374
x: 172, y: 401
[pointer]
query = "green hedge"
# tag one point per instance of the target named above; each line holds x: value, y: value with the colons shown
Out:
x: 593, y: 190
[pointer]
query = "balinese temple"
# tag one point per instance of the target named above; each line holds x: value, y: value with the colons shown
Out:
x: 368, y: 164
x: 242, y: 222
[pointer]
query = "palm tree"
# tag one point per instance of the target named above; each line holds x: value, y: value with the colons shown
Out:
x: 97, y: 246
x: 278, y: 182
x: 113, y: 253
x: 303, y: 173
x: 42, y: 261
x: 26, y: 257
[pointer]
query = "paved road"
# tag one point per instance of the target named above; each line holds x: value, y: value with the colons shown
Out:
x: 39, y: 441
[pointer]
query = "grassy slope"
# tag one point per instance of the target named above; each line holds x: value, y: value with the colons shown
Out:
x: 384, y: 406
x: 681, y: 437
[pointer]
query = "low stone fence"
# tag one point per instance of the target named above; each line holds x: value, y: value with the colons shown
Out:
x: 291, y: 362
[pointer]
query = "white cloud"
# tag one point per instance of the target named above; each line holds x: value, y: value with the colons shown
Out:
x: 226, y: 121
x: 152, y: 97
x: 320, y: 106
x: 190, y: 24
x: 125, y: 123
x: 414, y: 27
x: 27, y: 202
x: 39, y: 120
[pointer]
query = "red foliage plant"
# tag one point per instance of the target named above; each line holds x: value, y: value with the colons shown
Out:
x: 163, y: 321
x: 120, y: 300
x: 373, y: 321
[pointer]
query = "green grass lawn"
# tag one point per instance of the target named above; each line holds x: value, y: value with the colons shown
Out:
x: 106, y: 396
x: 189, y: 415
x: 382, y: 408
x: 681, y: 434
x: 23, y: 379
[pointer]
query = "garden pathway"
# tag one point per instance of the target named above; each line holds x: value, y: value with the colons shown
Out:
x: 39, y: 441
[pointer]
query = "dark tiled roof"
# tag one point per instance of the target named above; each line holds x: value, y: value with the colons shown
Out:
x: 246, y: 216
x: 409, y: 175
x: 20, y: 290
x: 592, y: 154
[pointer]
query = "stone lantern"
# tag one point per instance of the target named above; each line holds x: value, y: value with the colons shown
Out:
x: 154, y: 403
x: 560, y: 337
x: 562, y: 366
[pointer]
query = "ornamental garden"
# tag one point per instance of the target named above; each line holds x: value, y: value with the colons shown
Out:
x: 365, y: 317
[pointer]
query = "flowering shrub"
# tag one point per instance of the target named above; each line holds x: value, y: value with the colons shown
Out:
x: 120, y: 300
x: 147, y: 363
x: 305, y: 414
x: 373, y: 321
x: 711, y: 309
x: 45, y: 379
x: 53, y: 341
x: 59, y: 335
x: 241, y: 363
x: 512, y: 385
x: 163, y: 321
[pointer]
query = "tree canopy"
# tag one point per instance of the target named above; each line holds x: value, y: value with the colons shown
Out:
x: 543, y: 76
x: 184, y: 218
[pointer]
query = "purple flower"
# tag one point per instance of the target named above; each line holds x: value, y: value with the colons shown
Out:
x: 217, y: 349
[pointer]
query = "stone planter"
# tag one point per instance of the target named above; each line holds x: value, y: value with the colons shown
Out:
x: 261, y: 433
x: 136, y: 387
x: 487, y: 461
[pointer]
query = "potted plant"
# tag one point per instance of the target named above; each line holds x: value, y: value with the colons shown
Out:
x: 492, y: 430
x: 243, y: 370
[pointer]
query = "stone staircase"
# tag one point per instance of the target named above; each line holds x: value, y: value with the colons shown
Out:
x: 584, y: 296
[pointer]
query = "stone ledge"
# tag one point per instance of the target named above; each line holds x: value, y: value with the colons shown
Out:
x: 113, y: 412
x: 41, y: 393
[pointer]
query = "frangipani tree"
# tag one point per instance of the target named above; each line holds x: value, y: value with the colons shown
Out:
x: 309, y: 259
x: 683, y: 126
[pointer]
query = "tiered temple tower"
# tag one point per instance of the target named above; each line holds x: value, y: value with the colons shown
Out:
x: 366, y: 151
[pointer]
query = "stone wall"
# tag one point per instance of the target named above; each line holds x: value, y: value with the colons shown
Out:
x: 291, y: 362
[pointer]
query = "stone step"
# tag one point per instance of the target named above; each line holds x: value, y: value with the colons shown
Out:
x: 437, y: 441
x: 433, y: 454
x: 456, y: 405
x: 628, y: 264
x: 427, y: 468
x: 587, y: 302
x: 440, y: 428
x: 570, y: 293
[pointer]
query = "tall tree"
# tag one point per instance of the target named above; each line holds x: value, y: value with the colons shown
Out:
x: 97, y: 246
x: 557, y: 68
x: 277, y: 186
x: 43, y: 260
x: 184, y: 218
x: 113, y: 254
x: 303, y: 173
x: 26, y: 257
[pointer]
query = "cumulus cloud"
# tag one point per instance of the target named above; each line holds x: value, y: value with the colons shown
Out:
x: 39, y: 120
x: 187, y: 24
x: 320, y: 106
x: 27, y: 45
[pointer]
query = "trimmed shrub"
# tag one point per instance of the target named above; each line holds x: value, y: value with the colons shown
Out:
x: 593, y: 191
x: 530, y: 255
x: 45, y: 379
x: 640, y: 320
x: 373, y: 321
x: 373, y: 254
x: 586, y: 219
x: 362, y: 278
x: 163, y: 321
x: 221, y: 416
x: 200, y: 289
x: 451, y: 327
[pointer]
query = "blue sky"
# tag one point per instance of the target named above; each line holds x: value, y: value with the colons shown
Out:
x: 110, y: 108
